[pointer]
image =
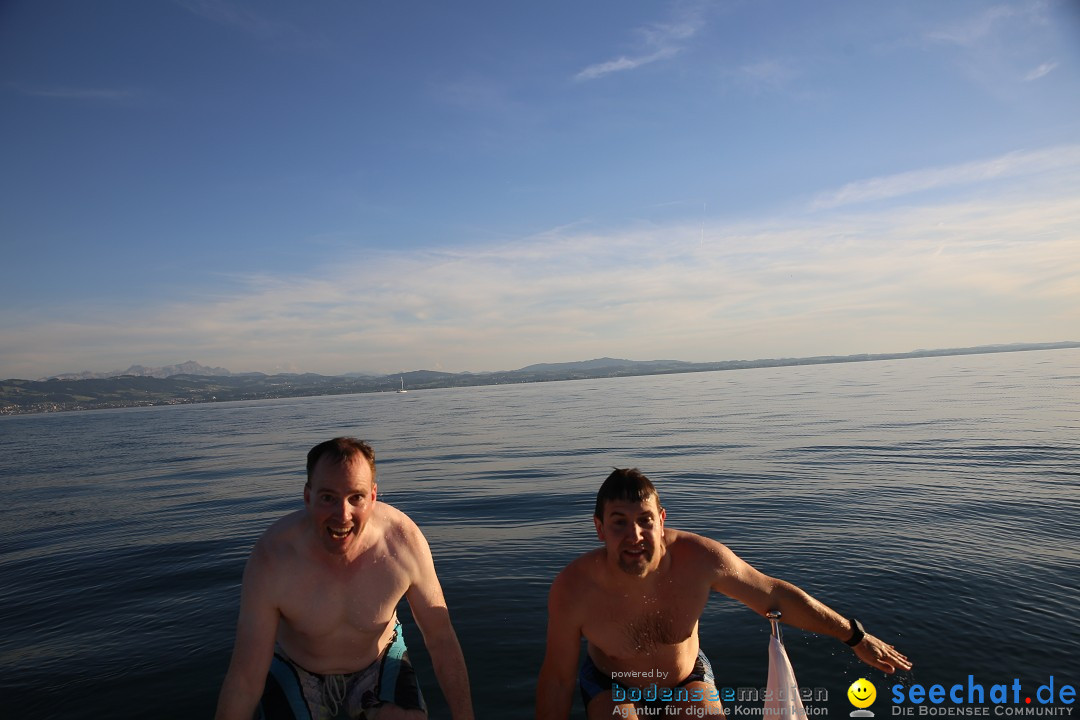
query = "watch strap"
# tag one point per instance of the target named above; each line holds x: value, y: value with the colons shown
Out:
x: 858, y: 632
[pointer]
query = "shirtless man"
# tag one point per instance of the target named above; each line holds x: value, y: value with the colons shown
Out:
x: 318, y: 606
x: 637, y: 602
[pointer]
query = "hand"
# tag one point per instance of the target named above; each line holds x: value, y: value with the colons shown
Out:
x: 880, y: 654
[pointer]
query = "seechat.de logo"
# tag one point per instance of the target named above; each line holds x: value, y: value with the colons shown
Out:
x: 972, y: 698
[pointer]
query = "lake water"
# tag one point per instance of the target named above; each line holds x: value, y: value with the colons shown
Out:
x: 936, y: 499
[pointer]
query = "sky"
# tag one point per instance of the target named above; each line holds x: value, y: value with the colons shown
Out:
x: 365, y: 186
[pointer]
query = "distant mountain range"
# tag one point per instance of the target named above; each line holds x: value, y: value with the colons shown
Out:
x: 606, y: 362
x: 185, y: 368
x: 191, y: 382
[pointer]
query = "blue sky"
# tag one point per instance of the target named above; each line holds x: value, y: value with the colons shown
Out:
x: 380, y: 186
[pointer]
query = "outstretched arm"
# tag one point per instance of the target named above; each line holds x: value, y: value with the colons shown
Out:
x: 256, y: 630
x: 429, y: 609
x: 555, y: 688
x: 737, y: 579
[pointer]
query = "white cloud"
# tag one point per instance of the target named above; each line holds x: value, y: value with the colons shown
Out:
x: 622, y: 63
x: 996, y: 48
x: 1003, y: 167
x: 659, y: 41
x: 1001, y: 269
x: 1041, y: 71
x: 972, y: 30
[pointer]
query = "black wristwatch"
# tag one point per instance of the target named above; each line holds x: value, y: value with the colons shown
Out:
x: 858, y: 632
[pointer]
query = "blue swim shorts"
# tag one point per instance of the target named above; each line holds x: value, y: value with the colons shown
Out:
x: 293, y: 693
x: 592, y: 682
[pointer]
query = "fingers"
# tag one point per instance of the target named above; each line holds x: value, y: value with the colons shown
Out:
x: 896, y: 658
x: 902, y: 661
x: 877, y: 653
x: 883, y: 664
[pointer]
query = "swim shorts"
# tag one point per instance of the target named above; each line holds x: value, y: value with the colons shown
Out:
x: 592, y: 682
x: 293, y: 693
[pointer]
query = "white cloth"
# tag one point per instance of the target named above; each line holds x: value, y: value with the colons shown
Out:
x: 782, y: 701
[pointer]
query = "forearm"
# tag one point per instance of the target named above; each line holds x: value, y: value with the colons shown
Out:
x: 238, y: 700
x: 553, y: 698
x: 450, y: 670
x: 800, y: 609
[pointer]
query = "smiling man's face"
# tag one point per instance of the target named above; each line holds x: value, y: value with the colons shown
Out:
x: 339, y: 500
x: 633, y: 533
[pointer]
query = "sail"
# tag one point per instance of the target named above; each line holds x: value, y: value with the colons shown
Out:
x: 782, y: 700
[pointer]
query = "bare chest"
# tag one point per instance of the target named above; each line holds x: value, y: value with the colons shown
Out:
x: 317, y: 601
x: 627, y: 627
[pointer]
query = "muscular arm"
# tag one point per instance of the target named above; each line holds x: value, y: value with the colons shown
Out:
x: 429, y: 609
x: 739, y: 580
x: 555, y: 688
x: 253, y: 651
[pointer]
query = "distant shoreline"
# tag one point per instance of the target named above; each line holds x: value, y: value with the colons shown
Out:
x: 21, y: 397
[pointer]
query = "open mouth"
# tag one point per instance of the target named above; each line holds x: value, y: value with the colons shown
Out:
x: 635, y: 559
x: 339, y: 533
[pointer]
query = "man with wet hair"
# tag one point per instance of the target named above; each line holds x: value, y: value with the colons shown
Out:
x: 626, y: 484
x: 318, y: 634
x: 637, y: 602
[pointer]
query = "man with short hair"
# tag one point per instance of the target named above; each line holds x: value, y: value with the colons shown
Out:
x: 637, y: 602
x: 318, y: 634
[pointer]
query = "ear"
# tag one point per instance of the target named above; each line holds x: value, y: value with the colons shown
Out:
x: 374, y: 492
x: 599, y: 528
x: 663, y: 515
x: 307, y: 493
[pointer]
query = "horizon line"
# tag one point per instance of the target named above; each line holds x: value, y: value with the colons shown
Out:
x: 985, y: 348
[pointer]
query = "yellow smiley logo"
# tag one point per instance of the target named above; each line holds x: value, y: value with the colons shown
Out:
x: 862, y: 693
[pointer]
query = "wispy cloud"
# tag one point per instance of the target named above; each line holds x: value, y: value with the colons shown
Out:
x: 969, y: 31
x: 623, y: 63
x: 996, y: 47
x: 767, y: 74
x: 658, y: 42
x: 1003, y: 268
x: 234, y: 15
x: 1041, y: 71
x: 907, y: 183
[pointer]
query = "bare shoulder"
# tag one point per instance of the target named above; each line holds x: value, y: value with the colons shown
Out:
x: 577, y: 577
x: 276, y: 555
x: 398, y: 529
x: 280, y: 540
x: 402, y: 541
x: 407, y: 553
x: 702, y: 551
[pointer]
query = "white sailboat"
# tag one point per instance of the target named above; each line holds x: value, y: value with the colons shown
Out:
x: 402, y: 390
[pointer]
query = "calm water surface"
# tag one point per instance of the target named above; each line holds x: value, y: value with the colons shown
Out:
x: 937, y: 499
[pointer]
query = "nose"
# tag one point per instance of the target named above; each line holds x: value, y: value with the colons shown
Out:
x: 341, y: 511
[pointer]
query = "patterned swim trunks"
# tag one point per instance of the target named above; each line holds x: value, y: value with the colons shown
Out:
x: 293, y: 693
